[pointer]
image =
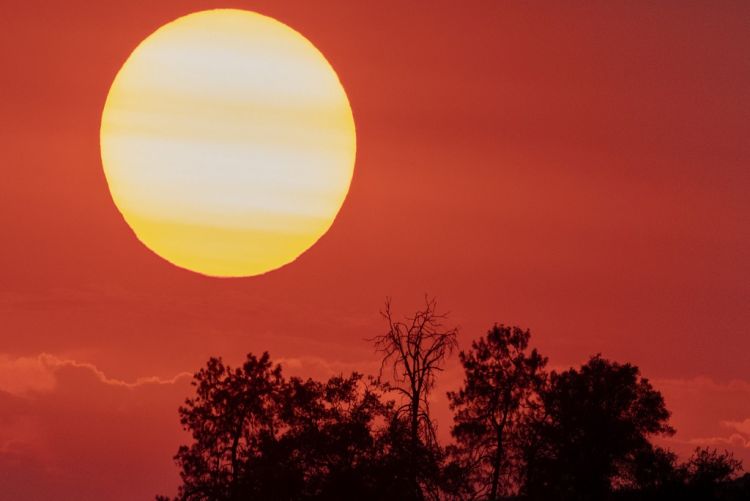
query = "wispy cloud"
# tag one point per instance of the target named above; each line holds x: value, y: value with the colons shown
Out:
x: 24, y: 375
x: 709, y: 413
x: 320, y: 367
x: 733, y: 440
x: 741, y: 426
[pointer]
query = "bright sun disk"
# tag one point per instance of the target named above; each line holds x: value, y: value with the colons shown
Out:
x: 228, y: 143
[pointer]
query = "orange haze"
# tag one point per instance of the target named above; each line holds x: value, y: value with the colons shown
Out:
x: 582, y: 171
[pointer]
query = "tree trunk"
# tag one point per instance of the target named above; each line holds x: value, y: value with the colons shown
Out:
x: 496, y: 469
x: 498, y: 460
x: 414, y: 448
x: 233, y: 480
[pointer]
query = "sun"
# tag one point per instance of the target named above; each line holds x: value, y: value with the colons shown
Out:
x: 228, y: 143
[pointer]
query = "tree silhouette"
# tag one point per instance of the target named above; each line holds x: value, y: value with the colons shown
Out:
x: 501, y: 384
x: 331, y: 435
x: 233, y: 420
x: 259, y: 436
x: 653, y: 471
x: 596, y: 420
x: 579, y: 435
x: 707, y: 472
x: 706, y: 475
x: 416, y: 349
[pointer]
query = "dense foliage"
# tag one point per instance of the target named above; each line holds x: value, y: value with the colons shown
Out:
x: 519, y: 431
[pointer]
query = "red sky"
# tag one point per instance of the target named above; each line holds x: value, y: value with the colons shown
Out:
x: 581, y: 171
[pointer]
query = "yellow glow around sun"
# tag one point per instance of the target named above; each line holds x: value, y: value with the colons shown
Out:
x: 228, y: 143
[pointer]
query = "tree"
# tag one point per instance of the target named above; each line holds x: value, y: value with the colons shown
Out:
x: 652, y: 470
x: 501, y: 383
x: 257, y: 435
x: 596, y: 420
x: 415, y: 349
x: 707, y: 471
x: 331, y: 434
x: 707, y: 474
x: 233, y: 418
x: 582, y: 434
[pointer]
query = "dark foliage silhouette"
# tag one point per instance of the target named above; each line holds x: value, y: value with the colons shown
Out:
x: 501, y: 385
x: 234, y: 420
x: 259, y: 436
x: 708, y: 471
x: 707, y: 475
x: 596, y: 421
x: 519, y: 433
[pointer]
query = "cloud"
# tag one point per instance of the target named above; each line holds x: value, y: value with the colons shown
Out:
x: 708, y: 413
x: 703, y: 383
x: 25, y: 375
x: 733, y: 440
x: 19, y: 436
x: 68, y: 428
x: 741, y: 426
x: 318, y: 367
x: 739, y: 436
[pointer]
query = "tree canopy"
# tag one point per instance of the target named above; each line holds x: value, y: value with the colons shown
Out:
x: 597, y: 421
x: 519, y: 432
x: 502, y: 381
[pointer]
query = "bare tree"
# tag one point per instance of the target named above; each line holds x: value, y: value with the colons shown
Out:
x: 415, y: 349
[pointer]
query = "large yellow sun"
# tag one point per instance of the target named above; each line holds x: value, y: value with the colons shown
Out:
x: 228, y: 143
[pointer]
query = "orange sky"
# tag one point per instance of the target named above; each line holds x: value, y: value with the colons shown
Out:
x: 580, y: 171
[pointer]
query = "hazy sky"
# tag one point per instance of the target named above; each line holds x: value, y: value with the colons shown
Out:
x: 581, y: 171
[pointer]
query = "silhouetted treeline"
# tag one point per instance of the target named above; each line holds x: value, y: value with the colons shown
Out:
x: 519, y: 431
